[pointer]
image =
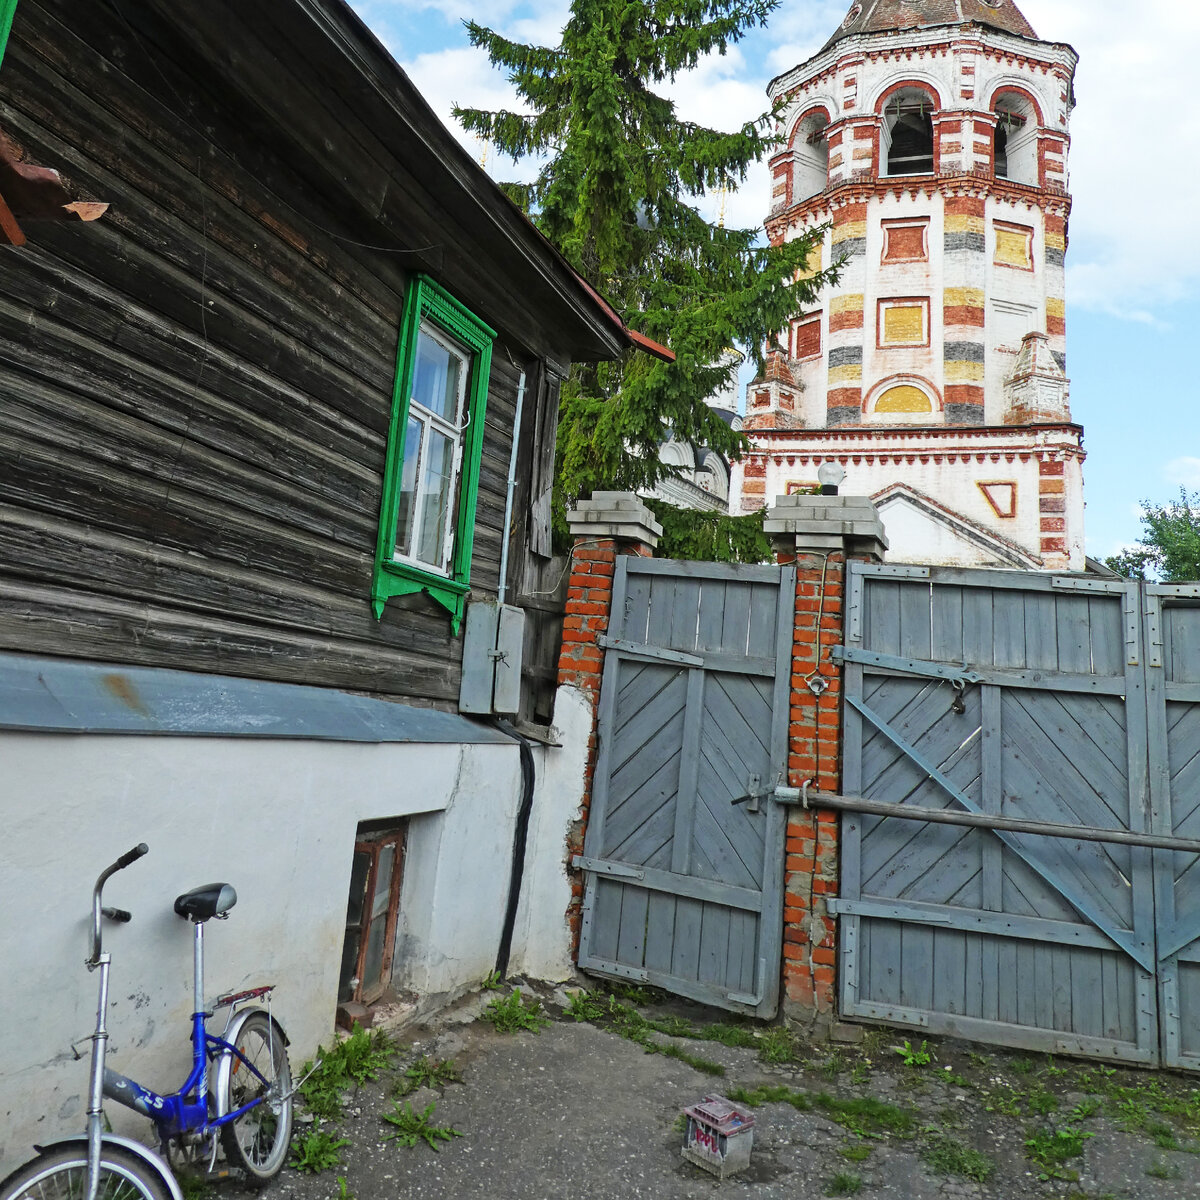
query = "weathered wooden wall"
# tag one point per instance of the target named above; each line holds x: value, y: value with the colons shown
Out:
x: 195, y: 390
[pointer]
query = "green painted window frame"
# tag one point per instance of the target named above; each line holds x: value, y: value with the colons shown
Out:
x: 427, y: 302
x: 8, y: 9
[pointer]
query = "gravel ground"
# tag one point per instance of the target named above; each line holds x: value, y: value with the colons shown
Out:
x: 579, y: 1110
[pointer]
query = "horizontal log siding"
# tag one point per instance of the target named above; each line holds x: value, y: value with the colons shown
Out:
x: 195, y: 390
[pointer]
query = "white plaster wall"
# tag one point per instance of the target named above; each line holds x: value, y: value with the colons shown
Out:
x: 927, y: 466
x: 276, y: 819
x: 542, y: 942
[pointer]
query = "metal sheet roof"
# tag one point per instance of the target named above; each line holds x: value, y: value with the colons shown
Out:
x: 63, y: 696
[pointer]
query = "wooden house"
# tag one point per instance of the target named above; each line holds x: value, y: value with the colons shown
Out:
x: 279, y: 375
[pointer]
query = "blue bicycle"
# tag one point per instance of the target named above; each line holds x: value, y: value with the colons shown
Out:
x: 238, y: 1093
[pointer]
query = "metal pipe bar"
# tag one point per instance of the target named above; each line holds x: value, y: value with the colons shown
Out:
x: 942, y: 816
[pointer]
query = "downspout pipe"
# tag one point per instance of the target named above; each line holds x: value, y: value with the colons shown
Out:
x: 520, y: 846
x: 512, y: 484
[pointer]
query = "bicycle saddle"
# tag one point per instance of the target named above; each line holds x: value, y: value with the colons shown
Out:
x: 211, y: 900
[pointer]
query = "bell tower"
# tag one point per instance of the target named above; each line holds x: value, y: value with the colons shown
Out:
x: 929, y: 138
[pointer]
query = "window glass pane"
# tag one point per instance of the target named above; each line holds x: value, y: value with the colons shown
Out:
x: 435, y: 498
x: 373, y: 965
x: 383, y: 882
x: 436, y: 378
x: 408, y: 487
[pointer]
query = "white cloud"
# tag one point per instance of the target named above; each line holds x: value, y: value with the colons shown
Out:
x: 1184, y: 471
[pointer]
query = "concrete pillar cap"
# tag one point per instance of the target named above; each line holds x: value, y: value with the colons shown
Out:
x: 850, y: 524
x: 619, y: 515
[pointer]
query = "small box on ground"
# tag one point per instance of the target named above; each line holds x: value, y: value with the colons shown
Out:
x: 719, y: 1136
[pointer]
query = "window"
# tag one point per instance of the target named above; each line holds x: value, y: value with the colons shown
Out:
x: 908, y: 129
x: 435, y: 441
x: 1017, y: 129
x: 371, y: 912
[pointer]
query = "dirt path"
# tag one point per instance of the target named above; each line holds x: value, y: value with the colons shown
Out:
x: 579, y: 1109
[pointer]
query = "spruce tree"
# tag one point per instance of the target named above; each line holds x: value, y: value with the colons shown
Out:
x: 616, y: 194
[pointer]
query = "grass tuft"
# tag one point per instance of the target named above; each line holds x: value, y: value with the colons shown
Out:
x: 515, y: 1013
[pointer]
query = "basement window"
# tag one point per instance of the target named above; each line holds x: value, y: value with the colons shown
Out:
x: 435, y: 442
x: 371, y: 913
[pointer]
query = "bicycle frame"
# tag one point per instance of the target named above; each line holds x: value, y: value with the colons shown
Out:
x: 187, y: 1111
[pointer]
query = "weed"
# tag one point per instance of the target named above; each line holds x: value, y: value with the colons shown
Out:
x: 515, y: 1013
x: 343, y: 1192
x: 1051, y: 1148
x: 1023, y: 1066
x: 777, y: 1045
x: 1161, y: 1170
x: 844, y: 1183
x: 864, y: 1115
x: 427, y: 1072
x: 675, y: 1027
x: 730, y: 1035
x: 951, y: 1118
x: 1086, y: 1108
x: 632, y: 993
x: 982, y: 1061
x: 859, y: 1074
x: 950, y: 1157
x: 953, y: 1080
x: 1004, y: 1099
x: 412, y: 1127
x: 1162, y: 1135
x: 834, y: 1065
x: 349, y: 1063
x: 670, y: 1050
x: 679, y: 1125
x: 914, y: 1056
x: 859, y: 1152
x: 584, y: 1007
x: 1041, y: 1102
x: 630, y: 1024
x: 492, y: 982
x: 1053, y: 1070
x: 317, y: 1151
x: 365, y: 1053
x: 193, y: 1187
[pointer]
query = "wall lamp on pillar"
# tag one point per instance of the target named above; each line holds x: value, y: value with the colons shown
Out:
x: 830, y: 476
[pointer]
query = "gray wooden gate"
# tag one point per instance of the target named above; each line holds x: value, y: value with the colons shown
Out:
x: 1173, y: 685
x: 1022, y: 695
x: 683, y: 889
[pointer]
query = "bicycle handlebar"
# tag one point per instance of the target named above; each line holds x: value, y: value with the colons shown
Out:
x: 117, y: 914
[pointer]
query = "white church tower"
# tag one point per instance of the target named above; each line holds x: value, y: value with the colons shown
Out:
x: 931, y: 138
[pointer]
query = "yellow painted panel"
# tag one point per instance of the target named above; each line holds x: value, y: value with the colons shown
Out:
x: 852, y: 229
x: 903, y: 324
x: 960, y: 297
x: 960, y: 223
x: 903, y: 399
x: 1012, y: 248
x: 964, y: 372
x: 1055, y: 241
x: 850, y: 302
x: 813, y: 265
x: 850, y: 373
x: 1056, y: 307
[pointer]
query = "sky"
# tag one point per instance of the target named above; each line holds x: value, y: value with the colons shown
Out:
x: 1133, y: 267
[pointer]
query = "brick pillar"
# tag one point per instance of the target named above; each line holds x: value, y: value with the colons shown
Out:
x: 819, y: 534
x: 607, y: 525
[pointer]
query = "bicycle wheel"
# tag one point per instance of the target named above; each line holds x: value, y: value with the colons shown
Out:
x: 60, y: 1173
x: 257, y: 1142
